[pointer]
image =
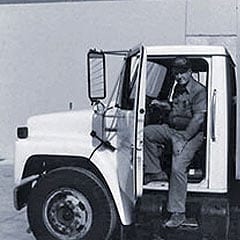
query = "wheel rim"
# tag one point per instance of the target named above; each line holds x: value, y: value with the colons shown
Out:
x: 67, y: 214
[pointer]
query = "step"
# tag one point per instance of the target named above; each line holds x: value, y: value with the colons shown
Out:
x: 154, y: 230
x: 190, y: 223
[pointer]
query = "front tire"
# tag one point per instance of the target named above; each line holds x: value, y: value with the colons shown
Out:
x: 72, y: 204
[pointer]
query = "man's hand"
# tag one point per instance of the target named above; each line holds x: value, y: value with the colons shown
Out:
x: 178, y: 143
x: 161, y: 104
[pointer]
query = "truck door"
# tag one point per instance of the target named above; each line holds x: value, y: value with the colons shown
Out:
x: 130, y: 123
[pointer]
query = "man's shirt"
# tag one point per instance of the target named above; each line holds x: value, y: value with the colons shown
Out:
x: 186, y: 102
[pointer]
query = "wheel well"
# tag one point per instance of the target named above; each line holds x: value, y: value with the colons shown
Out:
x: 44, y: 163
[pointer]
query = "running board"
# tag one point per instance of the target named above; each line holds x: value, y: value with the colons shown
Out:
x: 190, y: 223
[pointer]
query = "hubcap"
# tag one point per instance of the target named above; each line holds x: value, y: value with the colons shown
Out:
x: 67, y: 214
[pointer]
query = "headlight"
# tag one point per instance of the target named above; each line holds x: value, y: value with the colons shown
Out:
x: 22, y: 132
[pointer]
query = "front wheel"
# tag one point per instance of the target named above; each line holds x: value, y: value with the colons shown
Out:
x: 72, y: 204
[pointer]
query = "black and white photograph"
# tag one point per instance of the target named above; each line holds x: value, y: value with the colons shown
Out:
x: 119, y: 120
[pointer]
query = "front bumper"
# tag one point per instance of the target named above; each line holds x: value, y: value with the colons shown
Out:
x: 21, y: 192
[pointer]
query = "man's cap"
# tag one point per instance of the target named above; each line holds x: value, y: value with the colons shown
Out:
x: 181, y: 64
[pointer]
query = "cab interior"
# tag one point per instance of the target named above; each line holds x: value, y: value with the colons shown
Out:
x: 160, y: 85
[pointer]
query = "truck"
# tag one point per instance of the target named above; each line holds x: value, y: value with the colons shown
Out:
x: 81, y: 173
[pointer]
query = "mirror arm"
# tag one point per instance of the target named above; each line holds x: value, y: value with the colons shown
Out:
x: 106, y: 144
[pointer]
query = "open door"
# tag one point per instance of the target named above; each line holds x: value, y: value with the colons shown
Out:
x: 130, y: 123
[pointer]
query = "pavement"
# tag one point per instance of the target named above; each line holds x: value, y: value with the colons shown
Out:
x: 13, y: 223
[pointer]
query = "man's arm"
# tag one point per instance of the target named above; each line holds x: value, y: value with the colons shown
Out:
x: 199, y: 111
x: 161, y: 104
x: 199, y: 107
x: 194, y: 125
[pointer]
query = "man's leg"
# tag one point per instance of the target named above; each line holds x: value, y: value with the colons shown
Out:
x: 154, y: 135
x: 178, y: 181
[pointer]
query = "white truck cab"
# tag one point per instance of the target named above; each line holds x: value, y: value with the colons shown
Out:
x: 80, y: 173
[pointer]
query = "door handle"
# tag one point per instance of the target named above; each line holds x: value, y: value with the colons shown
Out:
x: 213, y: 115
x: 138, y: 147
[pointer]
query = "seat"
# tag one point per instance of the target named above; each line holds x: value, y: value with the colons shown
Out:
x: 197, y: 168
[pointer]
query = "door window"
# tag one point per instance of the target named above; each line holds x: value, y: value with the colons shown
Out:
x: 128, y: 82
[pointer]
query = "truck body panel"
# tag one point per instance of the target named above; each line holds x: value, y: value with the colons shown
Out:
x: 197, y: 50
x: 219, y: 145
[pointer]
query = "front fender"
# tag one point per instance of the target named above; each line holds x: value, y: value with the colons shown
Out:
x: 33, y: 146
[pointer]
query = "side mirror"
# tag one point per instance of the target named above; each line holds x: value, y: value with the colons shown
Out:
x: 96, y: 75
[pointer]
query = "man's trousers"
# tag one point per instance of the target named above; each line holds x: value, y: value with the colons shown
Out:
x: 155, y: 135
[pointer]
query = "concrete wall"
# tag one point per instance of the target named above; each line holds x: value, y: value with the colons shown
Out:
x: 43, y: 46
x: 212, y: 22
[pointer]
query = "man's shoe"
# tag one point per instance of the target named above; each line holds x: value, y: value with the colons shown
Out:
x: 176, y: 220
x: 156, y: 237
x: 151, y: 177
